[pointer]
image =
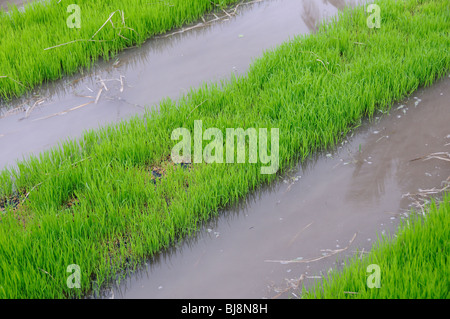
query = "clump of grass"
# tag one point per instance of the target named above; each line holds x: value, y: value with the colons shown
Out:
x: 107, y: 170
x: 413, y: 265
x: 37, y: 45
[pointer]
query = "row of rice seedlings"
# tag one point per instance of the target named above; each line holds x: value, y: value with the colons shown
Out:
x: 107, y: 170
x: 37, y: 44
x: 413, y: 265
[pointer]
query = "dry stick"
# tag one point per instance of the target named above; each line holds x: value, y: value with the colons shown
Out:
x: 108, y: 80
x: 354, y: 161
x: 120, y: 35
x: 183, y: 30
x: 46, y: 273
x: 79, y: 40
x: 27, y: 113
x: 122, y: 15
x: 91, y: 39
x: 13, y: 111
x: 109, y: 19
x: 98, y: 95
x: 326, y: 68
x: 251, y: 2
x: 207, y: 22
x: 84, y: 159
x: 63, y: 112
x: 124, y: 25
x: 195, y: 108
x: 76, y: 80
x: 288, y: 189
x: 425, y: 192
x: 302, y: 277
x: 235, y: 8
x: 226, y: 13
x: 7, y: 77
x: 433, y: 155
x: 301, y: 231
x: 26, y: 196
x: 131, y: 29
x: 121, y: 83
x: 310, y: 52
x: 362, y: 252
x: 314, y: 259
x: 86, y: 96
x: 437, y: 157
x: 77, y: 107
x: 103, y: 84
x: 319, y: 60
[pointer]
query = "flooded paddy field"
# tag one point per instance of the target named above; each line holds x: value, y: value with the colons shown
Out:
x: 330, y: 208
x: 166, y: 66
x: 282, y: 236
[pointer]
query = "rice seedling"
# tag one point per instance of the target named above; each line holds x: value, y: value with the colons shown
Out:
x: 412, y: 265
x: 95, y: 201
x: 43, y: 43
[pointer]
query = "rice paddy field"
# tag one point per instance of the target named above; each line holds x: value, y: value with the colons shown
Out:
x: 114, y: 197
x: 413, y: 265
x: 53, y: 49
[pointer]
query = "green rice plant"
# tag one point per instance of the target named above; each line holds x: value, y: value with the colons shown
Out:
x: 413, y: 265
x: 99, y: 201
x: 38, y: 45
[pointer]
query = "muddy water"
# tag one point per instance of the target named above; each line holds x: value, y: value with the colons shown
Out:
x: 356, y: 189
x: 4, y: 3
x: 141, y: 77
x: 310, y: 213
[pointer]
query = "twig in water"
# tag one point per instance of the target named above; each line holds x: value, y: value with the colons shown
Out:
x: 103, y: 83
x: 301, y: 231
x: 313, y: 259
x: 63, y: 112
x: 444, y: 156
x: 121, y: 83
x: 98, y: 95
x: 291, y: 286
x: 40, y: 101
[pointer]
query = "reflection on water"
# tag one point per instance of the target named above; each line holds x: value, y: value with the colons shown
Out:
x: 356, y: 188
x: 387, y: 155
x: 141, y: 77
x: 314, y: 12
x: 136, y: 60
